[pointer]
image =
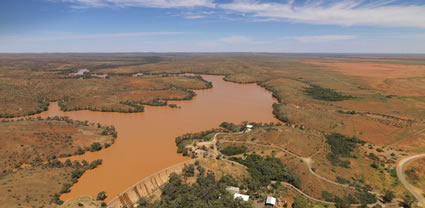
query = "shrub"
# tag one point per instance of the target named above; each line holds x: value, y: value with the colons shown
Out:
x: 233, y: 150
x: 373, y: 156
x: 96, y: 146
x: 299, y: 202
x: 66, y: 187
x: 189, y: 170
x: 143, y: 203
x: 80, y: 151
x: 264, y: 170
x: 68, y: 163
x: 77, y: 173
x: 388, y: 196
x: 95, y: 163
x: 101, y: 196
x: 279, y: 114
x: 54, y: 163
x: 341, y: 146
x: 231, y: 126
x: 205, y: 192
x: 182, y: 141
x: 326, y: 94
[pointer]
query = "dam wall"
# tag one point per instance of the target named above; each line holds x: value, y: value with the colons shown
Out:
x: 146, y: 187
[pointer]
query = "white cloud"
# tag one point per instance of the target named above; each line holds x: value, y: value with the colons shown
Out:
x: 345, y: 12
x: 236, y: 39
x: 194, y: 16
x: 323, y: 38
x: 73, y: 36
x: 141, y: 3
x: 389, y: 13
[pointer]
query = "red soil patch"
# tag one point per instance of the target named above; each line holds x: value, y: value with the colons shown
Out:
x: 381, y: 75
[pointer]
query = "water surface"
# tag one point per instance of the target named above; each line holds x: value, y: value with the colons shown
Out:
x: 145, y: 142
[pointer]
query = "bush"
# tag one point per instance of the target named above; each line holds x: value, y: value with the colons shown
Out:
x: 342, y: 180
x: 95, y: 163
x: 56, y: 199
x: 231, y: 126
x: 366, y: 197
x: 182, y: 141
x: 54, y: 164
x: 299, y: 202
x: 374, y: 165
x: 66, y: 187
x: 77, y: 173
x: 264, y: 170
x: 205, y: 192
x: 233, y: 150
x: 101, y: 196
x: 326, y: 94
x: 189, y: 170
x: 341, y: 146
x: 68, y: 163
x: 96, y: 146
x: 373, y: 156
x: 80, y: 151
x: 279, y: 114
x: 388, y: 196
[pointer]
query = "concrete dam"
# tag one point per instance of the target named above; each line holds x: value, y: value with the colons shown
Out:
x: 146, y: 187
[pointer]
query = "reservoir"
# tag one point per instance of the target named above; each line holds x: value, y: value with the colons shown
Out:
x: 145, y: 142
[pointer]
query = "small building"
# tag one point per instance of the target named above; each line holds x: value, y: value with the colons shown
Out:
x: 248, y: 127
x: 242, y: 196
x: 270, y: 201
x: 233, y: 190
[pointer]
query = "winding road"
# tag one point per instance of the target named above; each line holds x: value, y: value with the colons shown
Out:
x: 307, y: 161
x: 409, y: 187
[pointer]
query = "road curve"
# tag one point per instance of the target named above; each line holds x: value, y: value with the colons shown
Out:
x: 403, y: 180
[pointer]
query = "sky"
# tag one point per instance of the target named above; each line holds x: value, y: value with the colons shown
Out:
x: 290, y: 26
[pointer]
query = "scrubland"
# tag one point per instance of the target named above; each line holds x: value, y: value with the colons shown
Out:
x: 378, y: 100
x: 33, y: 155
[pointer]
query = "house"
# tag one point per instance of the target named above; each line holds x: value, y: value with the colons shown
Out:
x: 270, y: 201
x: 242, y: 196
x: 249, y: 127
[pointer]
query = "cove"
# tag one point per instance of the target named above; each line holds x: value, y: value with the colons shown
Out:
x: 145, y: 142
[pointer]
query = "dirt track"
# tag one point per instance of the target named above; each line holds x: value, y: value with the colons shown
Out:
x: 400, y: 174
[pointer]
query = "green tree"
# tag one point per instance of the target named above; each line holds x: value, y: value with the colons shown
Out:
x: 101, y: 196
x: 299, y: 202
x: 388, y: 196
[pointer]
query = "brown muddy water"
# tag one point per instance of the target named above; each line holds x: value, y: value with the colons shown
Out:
x: 145, y: 142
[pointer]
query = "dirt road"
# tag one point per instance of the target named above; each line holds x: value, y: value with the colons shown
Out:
x: 400, y: 174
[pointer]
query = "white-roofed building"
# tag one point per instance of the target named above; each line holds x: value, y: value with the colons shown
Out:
x: 248, y: 127
x: 242, y: 196
x: 271, y: 201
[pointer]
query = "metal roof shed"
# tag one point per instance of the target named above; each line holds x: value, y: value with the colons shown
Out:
x: 271, y: 201
x: 242, y: 196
